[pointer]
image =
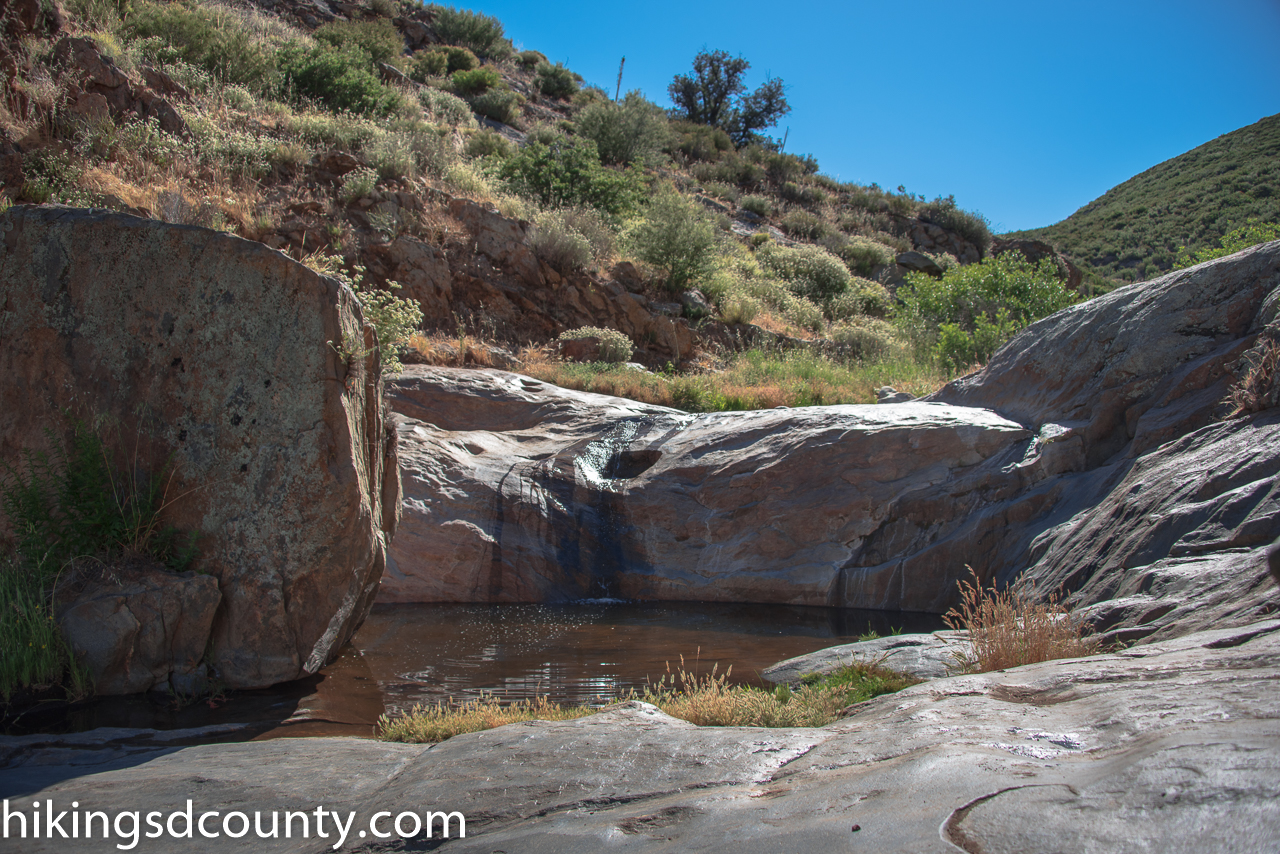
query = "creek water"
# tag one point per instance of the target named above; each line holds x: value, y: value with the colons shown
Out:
x: 584, y: 652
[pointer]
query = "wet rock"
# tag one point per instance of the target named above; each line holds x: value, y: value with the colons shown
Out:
x: 136, y: 626
x: 516, y: 490
x: 1164, y: 747
x: 224, y: 357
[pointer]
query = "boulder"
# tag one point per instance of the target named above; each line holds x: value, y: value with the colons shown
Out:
x: 254, y: 377
x: 136, y: 626
x: 98, y: 74
x: 918, y: 262
x: 518, y: 491
x: 1165, y: 747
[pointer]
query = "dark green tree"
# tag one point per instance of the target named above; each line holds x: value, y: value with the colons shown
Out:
x: 714, y: 95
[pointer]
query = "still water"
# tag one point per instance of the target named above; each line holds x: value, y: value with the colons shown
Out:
x: 585, y: 652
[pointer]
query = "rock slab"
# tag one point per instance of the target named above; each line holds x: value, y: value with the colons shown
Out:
x: 253, y: 376
x: 1172, y: 746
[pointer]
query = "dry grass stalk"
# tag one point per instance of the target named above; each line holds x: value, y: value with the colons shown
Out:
x: 1007, y: 629
x: 1258, y: 389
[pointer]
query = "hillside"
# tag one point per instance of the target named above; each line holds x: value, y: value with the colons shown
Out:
x: 394, y: 143
x: 1134, y: 231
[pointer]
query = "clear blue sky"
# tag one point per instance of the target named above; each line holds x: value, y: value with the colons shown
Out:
x: 1023, y: 110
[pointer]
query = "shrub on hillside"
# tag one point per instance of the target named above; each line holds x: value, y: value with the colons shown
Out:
x: 633, y: 130
x: 614, y: 346
x: 809, y: 271
x: 678, y: 236
x: 427, y: 64
x: 488, y: 143
x: 482, y: 34
x: 865, y: 338
x: 339, y: 78
x: 445, y: 108
x: 801, y: 224
x: 555, y: 81
x: 357, y: 184
x: 861, y: 255
x: 501, y: 105
x: 863, y: 298
x: 971, y: 310
x: 758, y: 205
x: 531, y: 58
x: 571, y: 238
x: 220, y: 40
x: 474, y: 82
x: 1230, y: 243
x: 568, y: 172
x: 971, y: 226
x: 379, y: 38
x: 699, y: 142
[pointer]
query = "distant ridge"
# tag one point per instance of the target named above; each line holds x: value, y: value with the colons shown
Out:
x: 1134, y: 230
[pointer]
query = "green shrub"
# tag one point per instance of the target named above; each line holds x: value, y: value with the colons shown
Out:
x: 973, y: 227
x: 73, y: 503
x: 427, y: 64
x: 357, y: 184
x: 809, y: 271
x: 501, y: 105
x: 567, y: 173
x: 474, y: 82
x: 531, y: 58
x: 341, y: 131
x: 445, y: 108
x: 862, y: 255
x: 865, y: 338
x: 555, y: 242
x: 724, y: 192
x: 972, y: 309
x: 676, y: 235
x: 699, y: 142
x: 340, y: 79
x: 863, y: 297
x: 1230, y: 243
x: 379, y: 38
x: 32, y: 650
x: 739, y: 308
x: 614, y: 346
x: 218, y: 39
x: 804, y: 225
x: 412, y: 149
x: 633, y: 130
x: 801, y: 194
x: 488, y: 143
x: 555, y: 81
x: 758, y: 205
x: 482, y: 34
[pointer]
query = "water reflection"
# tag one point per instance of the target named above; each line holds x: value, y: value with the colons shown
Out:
x: 586, y: 652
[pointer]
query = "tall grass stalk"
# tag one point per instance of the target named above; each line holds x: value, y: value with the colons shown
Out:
x: 1007, y: 628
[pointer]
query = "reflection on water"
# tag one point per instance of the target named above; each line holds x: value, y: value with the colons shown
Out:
x: 586, y: 652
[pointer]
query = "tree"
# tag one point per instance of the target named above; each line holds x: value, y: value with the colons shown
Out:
x: 714, y: 96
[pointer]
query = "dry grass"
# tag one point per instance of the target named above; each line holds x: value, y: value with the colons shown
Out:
x: 1007, y: 629
x: 1258, y: 389
x: 706, y: 700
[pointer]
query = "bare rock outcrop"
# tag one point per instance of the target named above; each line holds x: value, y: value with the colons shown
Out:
x: 516, y: 490
x: 254, y: 376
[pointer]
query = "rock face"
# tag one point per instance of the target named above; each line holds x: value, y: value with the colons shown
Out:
x: 1086, y: 456
x: 1164, y: 747
x: 221, y: 356
x: 516, y: 490
x: 138, y: 627
x: 930, y: 656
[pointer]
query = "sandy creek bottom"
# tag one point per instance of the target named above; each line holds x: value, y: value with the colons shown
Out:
x: 584, y: 652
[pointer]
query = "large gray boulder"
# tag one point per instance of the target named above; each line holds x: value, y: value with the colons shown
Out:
x: 253, y: 376
x: 1165, y: 747
x: 516, y: 490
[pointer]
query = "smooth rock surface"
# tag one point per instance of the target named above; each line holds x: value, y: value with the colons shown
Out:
x: 516, y: 490
x: 1165, y: 747
x: 928, y: 656
x: 217, y: 354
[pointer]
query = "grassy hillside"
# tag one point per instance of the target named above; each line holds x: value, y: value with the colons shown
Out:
x: 1134, y: 231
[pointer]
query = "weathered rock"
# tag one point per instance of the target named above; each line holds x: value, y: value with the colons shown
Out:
x: 98, y: 74
x: 930, y: 656
x: 889, y: 394
x: 918, y: 262
x: 225, y: 355
x: 1169, y: 747
x: 516, y: 490
x: 136, y: 626
x: 695, y: 305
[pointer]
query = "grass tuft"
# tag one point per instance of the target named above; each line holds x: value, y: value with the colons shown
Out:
x: 1008, y: 629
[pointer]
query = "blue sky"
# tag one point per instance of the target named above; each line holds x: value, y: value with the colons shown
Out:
x: 1024, y: 111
